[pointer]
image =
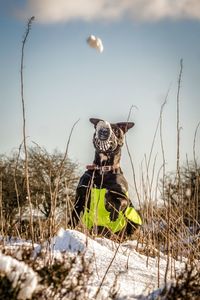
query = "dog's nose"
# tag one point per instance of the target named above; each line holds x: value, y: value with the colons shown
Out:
x: 103, y: 134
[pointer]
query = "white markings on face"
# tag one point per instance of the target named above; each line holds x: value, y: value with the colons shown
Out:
x: 105, y: 139
x: 103, y: 126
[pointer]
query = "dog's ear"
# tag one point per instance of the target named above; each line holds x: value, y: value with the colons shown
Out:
x: 125, y: 126
x: 94, y: 121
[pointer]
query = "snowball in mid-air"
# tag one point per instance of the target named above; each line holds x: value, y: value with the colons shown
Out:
x: 95, y: 43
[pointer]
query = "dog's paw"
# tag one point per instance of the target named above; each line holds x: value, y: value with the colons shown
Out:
x: 123, y: 203
x: 114, y: 205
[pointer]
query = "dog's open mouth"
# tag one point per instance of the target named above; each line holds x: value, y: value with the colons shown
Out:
x: 105, y: 139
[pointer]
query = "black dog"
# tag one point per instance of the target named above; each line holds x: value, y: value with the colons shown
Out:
x: 102, y: 194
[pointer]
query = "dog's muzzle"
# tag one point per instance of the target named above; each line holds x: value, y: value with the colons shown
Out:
x: 104, y: 133
x: 104, y: 138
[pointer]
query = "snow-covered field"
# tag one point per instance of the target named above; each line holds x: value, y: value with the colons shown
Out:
x: 134, y: 274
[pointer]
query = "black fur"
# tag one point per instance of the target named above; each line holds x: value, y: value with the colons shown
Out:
x: 113, y: 180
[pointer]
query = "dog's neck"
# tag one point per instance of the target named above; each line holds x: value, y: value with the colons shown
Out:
x: 107, y: 159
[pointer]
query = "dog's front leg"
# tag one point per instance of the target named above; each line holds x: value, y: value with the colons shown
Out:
x: 114, y: 204
x: 82, y: 198
x: 78, y: 207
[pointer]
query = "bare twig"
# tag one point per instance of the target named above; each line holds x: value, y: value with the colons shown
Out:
x: 1, y: 204
x: 109, y: 266
x: 24, y: 124
x: 194, y: 144
x: 161, y: 142
x: 55, y: 192
x: 178, y: 122
x: 131, y: 160
x: 16, y: 185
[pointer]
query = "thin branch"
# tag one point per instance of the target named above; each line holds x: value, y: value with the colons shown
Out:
x: 55, y: 193
x: 157, y: 127
x: 194, y: 143
x: 16, y: 185
x: 178, y: 121
x: 161, y: 142
x: 109, y: 265
x: 24, y: 124
x: 131, y: 160
x: 1, y: 203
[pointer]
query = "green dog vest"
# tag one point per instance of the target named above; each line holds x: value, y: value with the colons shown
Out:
x: 97, y: 215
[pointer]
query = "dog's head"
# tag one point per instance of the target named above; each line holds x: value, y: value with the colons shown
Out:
x: 109, y: 137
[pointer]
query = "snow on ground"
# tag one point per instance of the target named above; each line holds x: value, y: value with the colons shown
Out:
x: 135, y: 276
x: 18, y: 270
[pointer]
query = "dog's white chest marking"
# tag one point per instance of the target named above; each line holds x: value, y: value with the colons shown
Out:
x: 103, y: 157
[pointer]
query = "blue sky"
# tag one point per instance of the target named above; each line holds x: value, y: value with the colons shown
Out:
x: 65, y: 80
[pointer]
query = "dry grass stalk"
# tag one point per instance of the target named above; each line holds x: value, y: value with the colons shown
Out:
x: 24, y: 124
x: 1, y: 206
x: 54, y: 194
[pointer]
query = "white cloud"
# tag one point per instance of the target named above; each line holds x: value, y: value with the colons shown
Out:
x: 48, y: 11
